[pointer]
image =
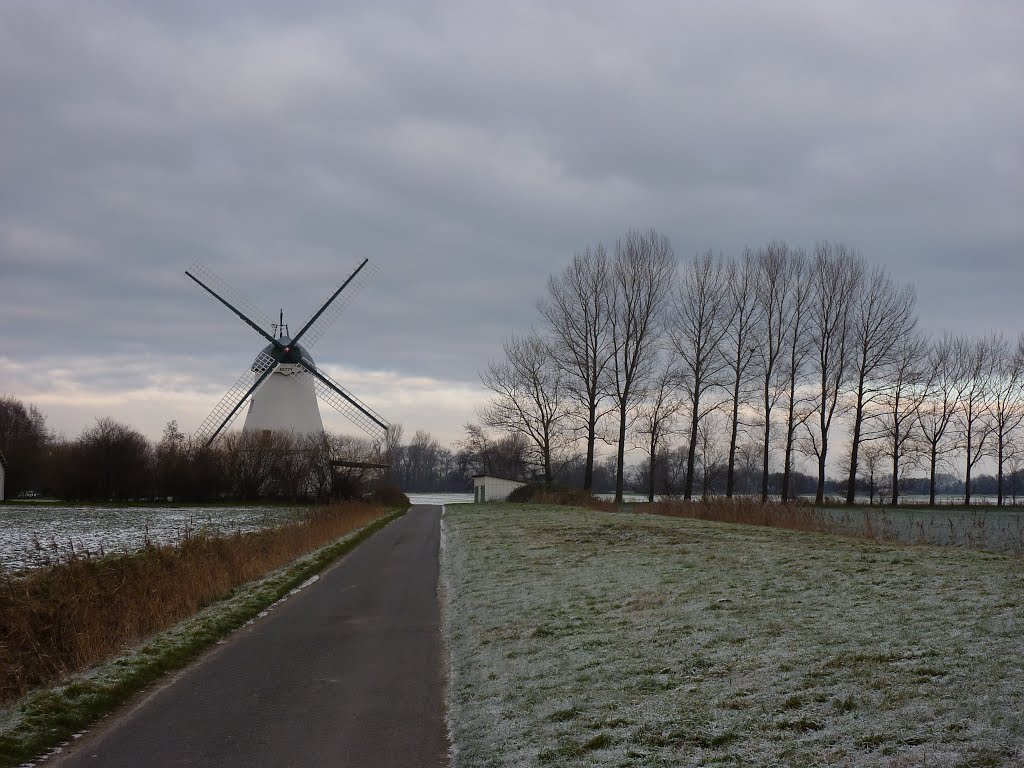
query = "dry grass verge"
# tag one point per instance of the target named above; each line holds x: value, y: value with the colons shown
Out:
x: 48, y: 716
x: 84, y: 609
x: 792, y: 517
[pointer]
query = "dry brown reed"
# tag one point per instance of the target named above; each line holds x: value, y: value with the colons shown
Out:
x: 85, y: 609
x: 793, y: 517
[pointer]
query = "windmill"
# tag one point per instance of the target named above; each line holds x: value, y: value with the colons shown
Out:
x: 283, y: 381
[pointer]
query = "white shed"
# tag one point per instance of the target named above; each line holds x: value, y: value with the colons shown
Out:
x: 3, y: 470
x: 488, y: 488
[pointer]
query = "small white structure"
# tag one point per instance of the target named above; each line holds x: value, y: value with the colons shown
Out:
x: 489, y: 488
x: 3, y: 470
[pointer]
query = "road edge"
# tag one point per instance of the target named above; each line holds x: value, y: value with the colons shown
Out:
x: 48, y: 718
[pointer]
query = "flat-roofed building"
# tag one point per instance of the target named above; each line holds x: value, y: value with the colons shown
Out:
x: 490, y: 488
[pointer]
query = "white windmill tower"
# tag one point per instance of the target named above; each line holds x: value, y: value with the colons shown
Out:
x: 283, y: 381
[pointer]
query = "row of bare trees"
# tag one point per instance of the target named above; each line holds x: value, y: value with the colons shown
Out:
x: 790, y: 351
x: 114, y: 461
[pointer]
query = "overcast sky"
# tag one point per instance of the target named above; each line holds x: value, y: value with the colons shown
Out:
x: 467, y: 149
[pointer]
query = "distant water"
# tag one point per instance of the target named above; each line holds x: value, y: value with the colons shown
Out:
x: 440, y: 498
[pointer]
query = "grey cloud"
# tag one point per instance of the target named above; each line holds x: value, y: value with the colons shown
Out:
x: 470, y: 148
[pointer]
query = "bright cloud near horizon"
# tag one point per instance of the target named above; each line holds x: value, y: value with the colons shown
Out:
x: 467, y: 149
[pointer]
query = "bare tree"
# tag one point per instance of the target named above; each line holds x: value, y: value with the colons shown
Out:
x: 882, y: 316
x: 898, y: 402
x: 871, y: 468
x: 578, y: 316
x: 973, y: 418
x: 940, y: 399
x: 773, y: 285
x: 836, y: 275
x: 1007, y: 401
x: 249, y: 462
x: 356, y: 476
x: 391, y: 448
x: 23, y: 440
x: 639, y: 286
x: 711, y: 453
x: 800, y: 290
x: 660, y: 406
x: 739, y: 348
x: 529, y: 398
x: 699, y: 324
x: 481, y: 455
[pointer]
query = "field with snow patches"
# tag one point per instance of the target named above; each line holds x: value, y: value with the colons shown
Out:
x: 32, y: 535
x: 979, y: 527
x: 583, y: 638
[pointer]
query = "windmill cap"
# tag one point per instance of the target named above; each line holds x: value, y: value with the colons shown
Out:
x: 271, y: 349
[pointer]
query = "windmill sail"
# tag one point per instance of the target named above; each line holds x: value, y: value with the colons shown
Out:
x: 227, y: 409
x: 334, y: 306
x: 347, y: 404
x: 284, y: 397
x: 219, y: 288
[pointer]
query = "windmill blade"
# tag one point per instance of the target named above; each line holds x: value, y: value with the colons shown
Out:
x: 343, y: 401
x: 217, y: 287
x: 226, y: 410
x: 326, y: 316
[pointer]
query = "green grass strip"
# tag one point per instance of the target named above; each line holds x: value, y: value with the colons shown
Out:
x: 49, y: 717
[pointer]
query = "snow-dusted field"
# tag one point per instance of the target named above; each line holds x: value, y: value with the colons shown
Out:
x: 595, y: 639
x: 33, y: 534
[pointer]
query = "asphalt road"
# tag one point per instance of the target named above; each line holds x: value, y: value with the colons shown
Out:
x: 348, y: 672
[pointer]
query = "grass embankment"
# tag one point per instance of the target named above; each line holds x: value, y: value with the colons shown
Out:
x: 71, y: 615
x: 588, y: 639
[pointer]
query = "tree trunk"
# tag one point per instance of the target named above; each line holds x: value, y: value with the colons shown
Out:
x: 895, y: 474
x: 619, y: 466
x: 787, y: 468
x: 967, y: 478
x: 787, y: 463
x: 588, y: 470
x: 547, y: 459
x: 999, y: 473
x: 764, y: 470
x: 652, y: 466
x: 933, y: 460
x: 851, y: 483
x: 767, y: 438
x: 731, y: 472
x: 819, y: 494
x: 691, y: 455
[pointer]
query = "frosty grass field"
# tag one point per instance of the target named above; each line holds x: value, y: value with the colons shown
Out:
x: 593, y: 639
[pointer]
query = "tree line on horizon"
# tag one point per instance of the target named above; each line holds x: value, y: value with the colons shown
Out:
x: 724, y: 371
x: 114, y: 461
x: 716, y: 365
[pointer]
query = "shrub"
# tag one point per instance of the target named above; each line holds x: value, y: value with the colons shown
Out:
x: 387, y: 494
x: 545, y: 493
